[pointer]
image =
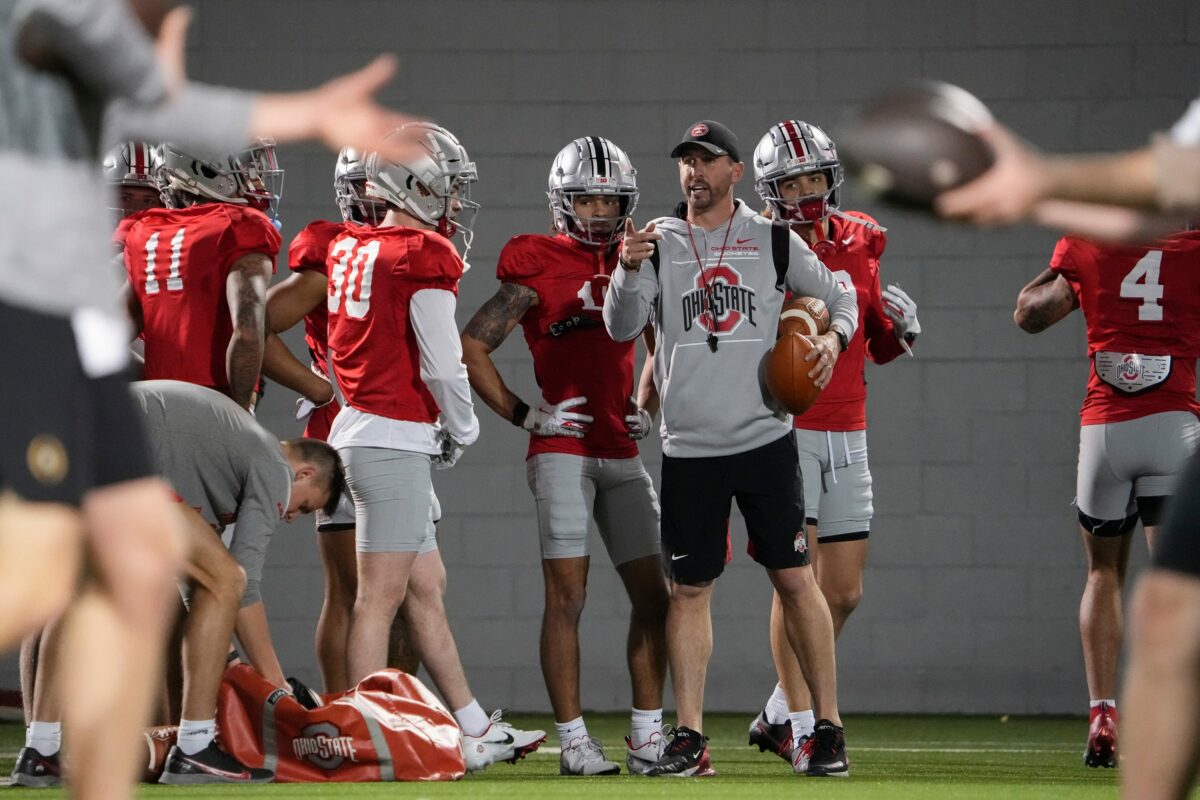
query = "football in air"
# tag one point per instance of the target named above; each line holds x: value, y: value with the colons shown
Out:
x: 914, y: 142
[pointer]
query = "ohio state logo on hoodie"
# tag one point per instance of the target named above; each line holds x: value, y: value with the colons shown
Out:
x: 731, y: 302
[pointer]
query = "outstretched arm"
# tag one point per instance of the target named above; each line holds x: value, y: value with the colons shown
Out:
x: 486, y: 331
x: 1044, y: 301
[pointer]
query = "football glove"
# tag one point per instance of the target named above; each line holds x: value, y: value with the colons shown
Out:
x: 639, y: 423
x: 556, y: 419
x: 452, y: 450
x: 902, y: 311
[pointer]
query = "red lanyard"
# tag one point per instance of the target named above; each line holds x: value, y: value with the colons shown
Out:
x: 710, y: 282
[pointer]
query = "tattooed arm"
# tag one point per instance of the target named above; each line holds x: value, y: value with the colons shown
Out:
x: 1044, y: 301
x: 486, y: 331
x: 246, y: 293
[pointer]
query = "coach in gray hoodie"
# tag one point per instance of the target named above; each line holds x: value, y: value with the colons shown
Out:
x: 713, y: 284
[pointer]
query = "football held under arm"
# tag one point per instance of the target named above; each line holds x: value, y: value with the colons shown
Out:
x: 431, y: 312
x: 808, y: 277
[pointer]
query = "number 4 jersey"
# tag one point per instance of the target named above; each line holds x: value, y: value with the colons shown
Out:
x: 573, y: 355
x: 1142, y: 307
x: 177, y: 260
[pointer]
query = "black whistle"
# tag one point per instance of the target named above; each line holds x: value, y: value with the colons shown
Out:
x: 712, y: 342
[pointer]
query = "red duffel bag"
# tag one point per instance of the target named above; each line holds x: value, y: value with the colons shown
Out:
x: 388, y: 728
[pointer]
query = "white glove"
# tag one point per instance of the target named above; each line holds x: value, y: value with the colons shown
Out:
x: 902, y: 311
x: 452, y: 450
x: 639, y: 423
x: 555, y: 419
x: 305, y: 407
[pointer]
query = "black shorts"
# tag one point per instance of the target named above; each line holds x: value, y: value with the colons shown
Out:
x: 62, y: 433
x: 1177, y: 545
x: 696, y: 496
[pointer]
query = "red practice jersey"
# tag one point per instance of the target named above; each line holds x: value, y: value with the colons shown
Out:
x: 177, y: 261
x: 373, y: 275
x: 573, y: 355
x: 852, y: 255
x: 309, y: 252
x: 1137, y: 300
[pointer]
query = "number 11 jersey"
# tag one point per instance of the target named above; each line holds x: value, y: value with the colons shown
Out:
x: 177, y: 261
x: 1137, y: 301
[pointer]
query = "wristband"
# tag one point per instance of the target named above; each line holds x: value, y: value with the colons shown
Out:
x: 519, y: 414
x: 843, y: 341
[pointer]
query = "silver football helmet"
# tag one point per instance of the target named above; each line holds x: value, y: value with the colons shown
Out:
x: 131, y: 164
x: 432, y: 184
x: 792, y: 148
x: 349, y: 189
x: 250, y: 177
x: 591, y: 165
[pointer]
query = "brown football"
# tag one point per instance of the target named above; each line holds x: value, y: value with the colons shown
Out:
x: 805, y: 314
x: 159, y: 742
x: 787, y: 372
x: 914, y: 142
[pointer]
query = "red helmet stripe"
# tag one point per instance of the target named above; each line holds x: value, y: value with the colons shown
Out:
x: 139, y: 161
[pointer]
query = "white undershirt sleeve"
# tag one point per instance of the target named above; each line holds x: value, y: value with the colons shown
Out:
x: 432, y: 314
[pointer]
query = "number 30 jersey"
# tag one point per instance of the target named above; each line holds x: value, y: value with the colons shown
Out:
x: 1141, y: 304
x: 573, y: 355
x: 373, y: 275
x: 177, y: 261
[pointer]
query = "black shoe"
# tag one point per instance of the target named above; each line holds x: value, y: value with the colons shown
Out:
x: 828, y: 752
x: 686, y: 756
x: 775, y: 738
x: 36, y: 771
x: 210, y: 765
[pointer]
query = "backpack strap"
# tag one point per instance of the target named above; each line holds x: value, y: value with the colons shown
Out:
x: 781, y: 251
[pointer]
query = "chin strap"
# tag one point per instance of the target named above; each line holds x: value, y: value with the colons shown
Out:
x: 873, y: 226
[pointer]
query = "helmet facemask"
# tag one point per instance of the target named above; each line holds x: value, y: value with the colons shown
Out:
x: 806, y: 209
x: 591, y: 165
x: 259, y: 177
x: 791, y: 149
x: 350, y: 190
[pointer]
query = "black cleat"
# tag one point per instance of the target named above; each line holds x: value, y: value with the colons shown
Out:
x: 686, y: 756
x: 828, y: 757
x: 210, y: 765
x: 36, y: 771
x: 774, y: 738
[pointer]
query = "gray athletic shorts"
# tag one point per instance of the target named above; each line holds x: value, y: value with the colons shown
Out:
x: 342, y: 518
x: 1121, y: 461
x: 393, y: 499
x: 616, y: 492
x: 837, y: 483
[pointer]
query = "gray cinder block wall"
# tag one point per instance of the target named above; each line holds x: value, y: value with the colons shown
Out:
x: 972, y: 588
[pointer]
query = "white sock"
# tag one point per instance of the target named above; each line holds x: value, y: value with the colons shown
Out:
x: 196, y: 734
x: 776, y: 710
x: 803, y: 724
x: 570, y: 731
x: 1094, y: 704
x: 473, y: 720
x: 45, y: 737
x: 645, y: 723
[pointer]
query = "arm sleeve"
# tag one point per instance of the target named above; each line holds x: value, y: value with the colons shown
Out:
x: 106, y: 48
x: 629, y: 300
x: 268, y: 493
x: 807, y: 276
x: 442, y: 368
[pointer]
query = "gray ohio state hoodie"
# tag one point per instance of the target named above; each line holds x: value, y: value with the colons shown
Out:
x: 714, y: 402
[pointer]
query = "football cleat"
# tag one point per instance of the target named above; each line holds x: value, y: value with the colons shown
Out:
x: 36, y: 771
x: 641, y: 758
x: 686, y: 756
x: 802, y: 755
x: 585, y: 756
x: 828, y: 755
x: 499, y: 742
x: 775, y: 738
x: 210, y: 765
x: 1102, y: 738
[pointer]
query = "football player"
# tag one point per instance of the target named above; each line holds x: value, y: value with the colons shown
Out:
x: 582, y: 461
x: 799, y: 176
x: 397, y: 361
x: 302, y: 296
x: 198, y: 270
x: 1137, y: 425
x: 129, y: 169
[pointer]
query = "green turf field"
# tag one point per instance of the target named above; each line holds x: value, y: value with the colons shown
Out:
x: 891, y: 757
